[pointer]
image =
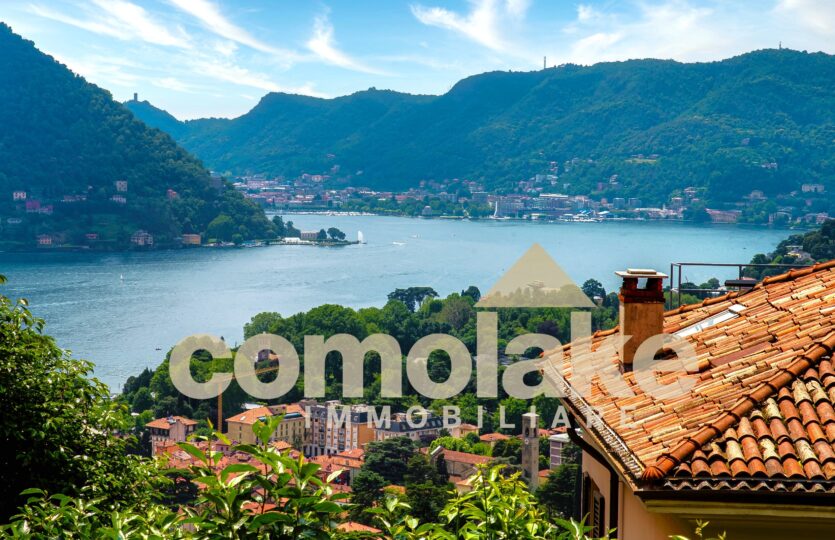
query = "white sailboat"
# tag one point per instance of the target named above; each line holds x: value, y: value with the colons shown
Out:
x: 360, y: 237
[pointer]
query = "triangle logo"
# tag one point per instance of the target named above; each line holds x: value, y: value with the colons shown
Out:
x: 535, y: 280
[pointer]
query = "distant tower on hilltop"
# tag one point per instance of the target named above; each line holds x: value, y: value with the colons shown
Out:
x: 530, y: 449
x: 135, y: 96
x: 544, y: 62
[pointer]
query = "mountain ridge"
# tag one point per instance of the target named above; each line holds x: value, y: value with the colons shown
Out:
x: 78, y: 169
x: 709, y: 123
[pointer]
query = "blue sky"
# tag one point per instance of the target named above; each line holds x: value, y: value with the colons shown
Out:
x: 198, y: 58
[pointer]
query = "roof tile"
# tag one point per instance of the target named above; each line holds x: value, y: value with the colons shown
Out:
x: 761, y: 403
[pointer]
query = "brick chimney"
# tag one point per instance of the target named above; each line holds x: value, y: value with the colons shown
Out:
x: 641, y: 310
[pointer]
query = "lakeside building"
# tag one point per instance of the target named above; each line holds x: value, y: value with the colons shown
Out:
x: 169, y: 430
x: 142, y: 238
x: 191, y: 239
x: 748, y: 443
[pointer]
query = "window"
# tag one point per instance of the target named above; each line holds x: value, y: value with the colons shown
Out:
x: 598, y: 515
x: 594, y: 505
x: 730, y: 313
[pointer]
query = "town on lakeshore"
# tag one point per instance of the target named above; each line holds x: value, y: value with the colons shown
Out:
x: 541, y: 197
x: 672, y: 377
x: 538, y: 198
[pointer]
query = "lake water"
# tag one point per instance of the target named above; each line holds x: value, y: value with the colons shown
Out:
x: 124, y: 325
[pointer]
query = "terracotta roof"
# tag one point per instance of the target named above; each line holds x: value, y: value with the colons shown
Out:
x: 294, y: 408
x: 493, y: 437
x: 250, y: 416
x: 754, y: 361
x: 353, y: 454
x: 353, y: 526
x: 165, y: 422
x: 464, y: 457
x: 281, y: 445
x: 789, y: 436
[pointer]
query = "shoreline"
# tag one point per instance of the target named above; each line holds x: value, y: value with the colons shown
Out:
x: 332, y: 213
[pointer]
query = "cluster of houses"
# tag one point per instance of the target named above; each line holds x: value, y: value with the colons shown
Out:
x: 25, y: 203
x: 335, y: 435
x: 533, y: 198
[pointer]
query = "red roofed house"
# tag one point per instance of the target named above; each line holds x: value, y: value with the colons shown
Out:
x: 747, y: 442
x: 493, y: 438
x: 290, y: 430
x: 459, y: 465
x: 462, y: 430
x: 165, y: 431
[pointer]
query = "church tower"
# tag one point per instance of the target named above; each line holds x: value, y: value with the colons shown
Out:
x: 530, y: 449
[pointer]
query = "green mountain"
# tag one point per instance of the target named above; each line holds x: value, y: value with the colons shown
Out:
x: 91, y: 173
x: 715, y: 125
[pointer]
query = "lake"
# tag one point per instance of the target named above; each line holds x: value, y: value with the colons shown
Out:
x: 124, y: 311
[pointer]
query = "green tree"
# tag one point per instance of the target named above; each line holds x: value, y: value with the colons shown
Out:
x: 473, y: 292
x: 57, y: 419
x: 221, y: 228
x: 389, y: 458
x: 413, y: 296
x: 142, y: 400
x: 336, y: 234
x: 697, y: 213
x: 290, y: 231
x: 367, y: 491
x: 557, y: 495
x: 280, y: 229
x: 593, y: 288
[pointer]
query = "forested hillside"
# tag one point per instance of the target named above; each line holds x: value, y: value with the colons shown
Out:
x: 764, y: 120
x: 77, y: 168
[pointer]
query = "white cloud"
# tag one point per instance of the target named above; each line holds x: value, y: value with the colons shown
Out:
x: 172, y: 83
x: 231, y: 73
x: 103, y: 70
x: 322, y: 44
x: 586, y: 13
x: 211, y: 17
x: 816, y: 15
x: 669, y: 29
x: 225, y: 48
x: 483, y: 24
x: 84, y: 24
x: 118, y: 19
x: 129, y: 16
x: 517, y: 8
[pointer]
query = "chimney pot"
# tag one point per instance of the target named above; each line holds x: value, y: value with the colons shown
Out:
x: 641, y: 310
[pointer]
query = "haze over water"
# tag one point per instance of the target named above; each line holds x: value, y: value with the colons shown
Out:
x: 167, y: 295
